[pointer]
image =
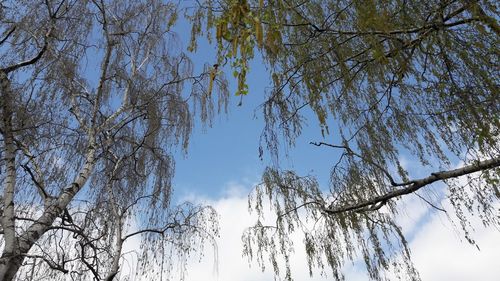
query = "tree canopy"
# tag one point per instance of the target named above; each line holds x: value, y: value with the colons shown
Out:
x: 94, y: 97
x: 96, y: 94
x: 385, y: 79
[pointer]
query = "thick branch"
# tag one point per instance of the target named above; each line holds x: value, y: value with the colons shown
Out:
x: 379, y: 201
x: 45, y: 221
x: 105, y: 62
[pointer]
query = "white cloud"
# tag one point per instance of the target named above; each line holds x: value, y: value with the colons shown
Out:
x: 232, y: 265
x: 439, y: 252
x: 412, y: 212
x: 232, y: 208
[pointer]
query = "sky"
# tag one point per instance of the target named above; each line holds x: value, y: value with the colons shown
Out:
x: 228, y: 151
x: 222, y: 166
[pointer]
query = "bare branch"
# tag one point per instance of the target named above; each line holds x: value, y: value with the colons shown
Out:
x: 52, y: 264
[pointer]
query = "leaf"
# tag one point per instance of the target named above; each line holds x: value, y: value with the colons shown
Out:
x: 211, y: 82
x: 235, y: 46
x: 258, y: 33
x: 218, y: 34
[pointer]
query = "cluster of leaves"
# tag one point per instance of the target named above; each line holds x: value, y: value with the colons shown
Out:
x: 240, y: 29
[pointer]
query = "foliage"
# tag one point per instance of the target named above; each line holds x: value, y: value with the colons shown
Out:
x: 94, y: 97
x: 384, y: 79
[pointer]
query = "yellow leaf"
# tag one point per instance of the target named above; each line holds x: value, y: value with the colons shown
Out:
x: 235, y: 46
x: 258, y: 34
x: 211, y: 83
x: 218, y: 34
x: 225, y: 33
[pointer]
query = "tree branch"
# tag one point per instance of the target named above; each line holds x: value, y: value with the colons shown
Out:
x: 32, y: 60
x: 378, y: 166
x: 378, y: 201
x: 52, y: 264
x: 152, y: 230
x: 8, y: 35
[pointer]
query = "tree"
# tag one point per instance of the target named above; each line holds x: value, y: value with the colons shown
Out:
x: 384, y: 79
x: 94, y: 95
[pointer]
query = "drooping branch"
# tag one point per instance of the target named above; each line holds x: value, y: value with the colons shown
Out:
x: 86, y: 263
x: 378, y: 166
x: 52, y: 264
x: 475, y: 9
x: 151, y: 230
x: 414, y: 185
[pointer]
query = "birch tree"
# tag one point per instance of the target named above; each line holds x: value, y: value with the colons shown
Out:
x: 94, y: 97
x: 384, y: 80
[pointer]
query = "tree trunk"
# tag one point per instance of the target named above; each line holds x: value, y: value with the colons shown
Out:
x: 9, y: 265
x: 115, y: 266
x: 11, y: 262
x: 16, y: 247
x: 10, y: 258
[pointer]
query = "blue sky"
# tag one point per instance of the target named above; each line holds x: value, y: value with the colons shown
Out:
x: 228, y: 151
